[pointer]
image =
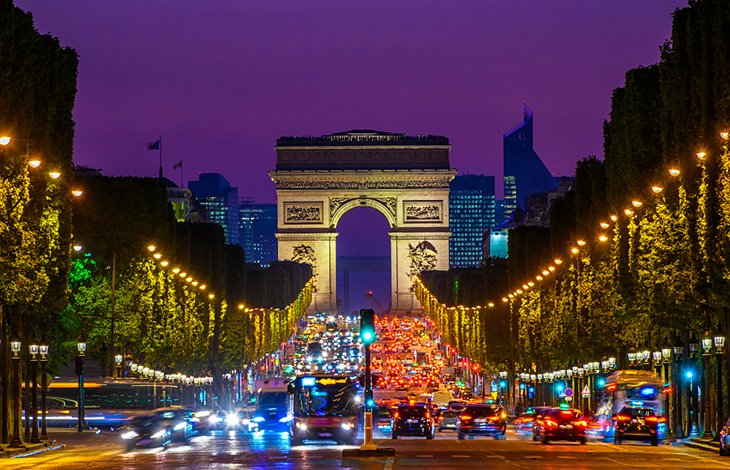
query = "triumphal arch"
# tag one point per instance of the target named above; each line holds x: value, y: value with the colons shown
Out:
x: 405, y: 178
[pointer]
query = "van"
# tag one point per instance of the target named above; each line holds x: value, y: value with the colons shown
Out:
x: 441, y: 398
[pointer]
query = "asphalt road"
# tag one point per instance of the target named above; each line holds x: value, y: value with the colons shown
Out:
x: 229, y: 450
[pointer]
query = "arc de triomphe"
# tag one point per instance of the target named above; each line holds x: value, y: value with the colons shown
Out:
x: 405, y: 178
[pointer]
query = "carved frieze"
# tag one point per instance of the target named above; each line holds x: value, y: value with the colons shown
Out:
x: 423, y: 257
x: 303, y: 212
x: 305, y: 254
x: 413, y: 183
x: 389, y: 202
x: 422, y: 211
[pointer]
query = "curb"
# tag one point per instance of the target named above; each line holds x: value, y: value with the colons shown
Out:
x: 14, y: 451
x: 38, y: 451
x: 701, y: 446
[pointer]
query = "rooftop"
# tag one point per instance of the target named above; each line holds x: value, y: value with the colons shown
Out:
x: 361, y: 137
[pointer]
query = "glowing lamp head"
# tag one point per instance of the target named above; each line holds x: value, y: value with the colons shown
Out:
x: 674, y: 172
x: 77, y: 192
x: 636, y: 203
x: 657, y: 189
x: 5, y: 140
x: 54, y: 174
x: 723, y: 135
x: 701, y: 156
x: 35, y: 163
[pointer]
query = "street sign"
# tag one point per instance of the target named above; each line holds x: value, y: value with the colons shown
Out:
x: 586, y: 393
x: 568, y: 392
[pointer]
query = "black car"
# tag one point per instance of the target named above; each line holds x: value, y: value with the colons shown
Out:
x: 145, y: 431
x: 413, y: 420
x: 557, y: 424
x: 482, y: 420
x: 637, y: 424
x: 177, y: 420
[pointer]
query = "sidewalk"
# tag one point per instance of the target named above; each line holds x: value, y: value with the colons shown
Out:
x: 702, y: 444
x: 27, y: 448
x: 59, y: 439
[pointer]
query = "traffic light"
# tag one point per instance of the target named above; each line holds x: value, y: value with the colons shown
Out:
x: 369, y: 400
x: 367, y: 325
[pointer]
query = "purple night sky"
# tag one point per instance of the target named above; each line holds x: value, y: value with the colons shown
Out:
x: 220, y: 80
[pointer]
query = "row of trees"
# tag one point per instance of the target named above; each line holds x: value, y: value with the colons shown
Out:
x: 663, y: 271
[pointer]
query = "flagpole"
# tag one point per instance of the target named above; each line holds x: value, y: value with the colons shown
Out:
x: 160, y: 157
x: 182, y: 172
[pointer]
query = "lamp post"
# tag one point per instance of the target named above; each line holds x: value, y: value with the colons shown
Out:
x: 678, y: 349
x: 33, y: 350
x: 118, y: 362
x: 43, y: 349
x: 693, y: 411
x: 719, y: 341
x: 15, y: 350
x: 707, y: 412
x: 81, y: 346
x: 666, y: 358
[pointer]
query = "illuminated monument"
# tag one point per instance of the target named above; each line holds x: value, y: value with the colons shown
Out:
x: 405, y: 178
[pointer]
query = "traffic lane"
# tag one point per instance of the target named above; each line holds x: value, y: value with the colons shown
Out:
x: 220, y: 450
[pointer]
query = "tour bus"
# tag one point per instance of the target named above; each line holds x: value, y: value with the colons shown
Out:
x: 324, y: 407
x: 632, y: 388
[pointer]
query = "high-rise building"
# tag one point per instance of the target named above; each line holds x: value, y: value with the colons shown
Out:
x: 258, y: 231
x: 524, y: 172
x: 215, y: 194
x: 471, y: 214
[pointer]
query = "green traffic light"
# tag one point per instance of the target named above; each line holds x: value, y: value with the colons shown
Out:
x: 367, y: 336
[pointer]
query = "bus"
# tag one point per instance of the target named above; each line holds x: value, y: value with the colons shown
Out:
x: 107, y: 402
x: 324, y: 407
x: 632, y: 388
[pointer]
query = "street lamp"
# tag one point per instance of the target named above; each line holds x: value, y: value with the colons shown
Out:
x: 43, y: 349
x: 707, y: 415
x: 33, y: 350
x: 694, y: 347
x: 81, y: 346
x: 678, y: 349
x: 118, y: 361
x: 15, y: 350
x: 719, y: 341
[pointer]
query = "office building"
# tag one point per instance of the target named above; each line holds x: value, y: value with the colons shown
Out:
x: 258, y: 231
x: 215, y: 194
x: 524, y: 172
x: 471, y: 214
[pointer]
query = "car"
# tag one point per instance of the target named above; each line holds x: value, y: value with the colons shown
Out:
x: 560, y: 424
x: 413, y: 420
x: 177, y: 420
x: 482, y: 420
x: 145, y: 431
x: 637, y: 423
x: 725, y: 439
x: 447, y: 419
x: 382, y: 418
x: 525, y: 420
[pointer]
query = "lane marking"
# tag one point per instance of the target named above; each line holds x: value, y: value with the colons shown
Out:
x: 424, y: 456
x: 389, y: 463
x: 567, y: 457
x: 533, y: 457
x: 461, y: 456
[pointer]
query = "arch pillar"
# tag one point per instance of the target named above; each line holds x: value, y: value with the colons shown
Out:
x: 317, y: 249
x: 410, y: 253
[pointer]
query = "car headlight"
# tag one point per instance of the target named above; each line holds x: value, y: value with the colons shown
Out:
x: 346, y: 426
x: 158, y: 434
x: 202, y: 414
x: 130, y: 435
x: 232, y: 420
x: 259, y: 419
x: 180, y: 426
x: 285, y: 419
x: 301, y: 426
x: 214, y: 419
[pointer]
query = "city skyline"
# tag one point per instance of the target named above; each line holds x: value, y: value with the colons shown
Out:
x: 146, y: 72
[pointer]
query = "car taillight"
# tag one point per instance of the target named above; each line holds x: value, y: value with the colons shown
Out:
x: 441, y: 418
x: 623, y: 418
x: 550, y: 423
x: 465, y: 417
x: 581, y: 422
x: 396, y: 415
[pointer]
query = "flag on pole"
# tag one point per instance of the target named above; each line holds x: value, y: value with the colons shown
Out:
x: 154, y: 145
x: 178, y: 165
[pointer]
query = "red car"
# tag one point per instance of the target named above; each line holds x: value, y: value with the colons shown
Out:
x: 556, y: 424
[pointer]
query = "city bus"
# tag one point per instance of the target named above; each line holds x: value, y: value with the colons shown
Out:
x: 107, y: 402
x: 631, y: 388
x: 324, y: 407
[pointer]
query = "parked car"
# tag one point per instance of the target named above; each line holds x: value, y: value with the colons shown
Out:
x: 145, y: 431
x: 725, y: 439
x: 482, y: 420
x: 413, y: 420
x: 638, y: 424
x: 557, y: 424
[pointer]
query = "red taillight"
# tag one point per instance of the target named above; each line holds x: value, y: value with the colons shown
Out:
x: 623, y: 418
x: 465, y: 417
x: 441, y: 418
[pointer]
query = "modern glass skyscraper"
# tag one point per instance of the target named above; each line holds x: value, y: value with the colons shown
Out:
x: 258, y: 231
x: 524, y: 172
x: 213, y: 192
x: 471, y: 214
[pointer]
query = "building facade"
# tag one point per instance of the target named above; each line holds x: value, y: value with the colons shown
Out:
x: 524, y: 172
x: 471, y: 214
x: 214, y: 193
x: 258, y: 231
